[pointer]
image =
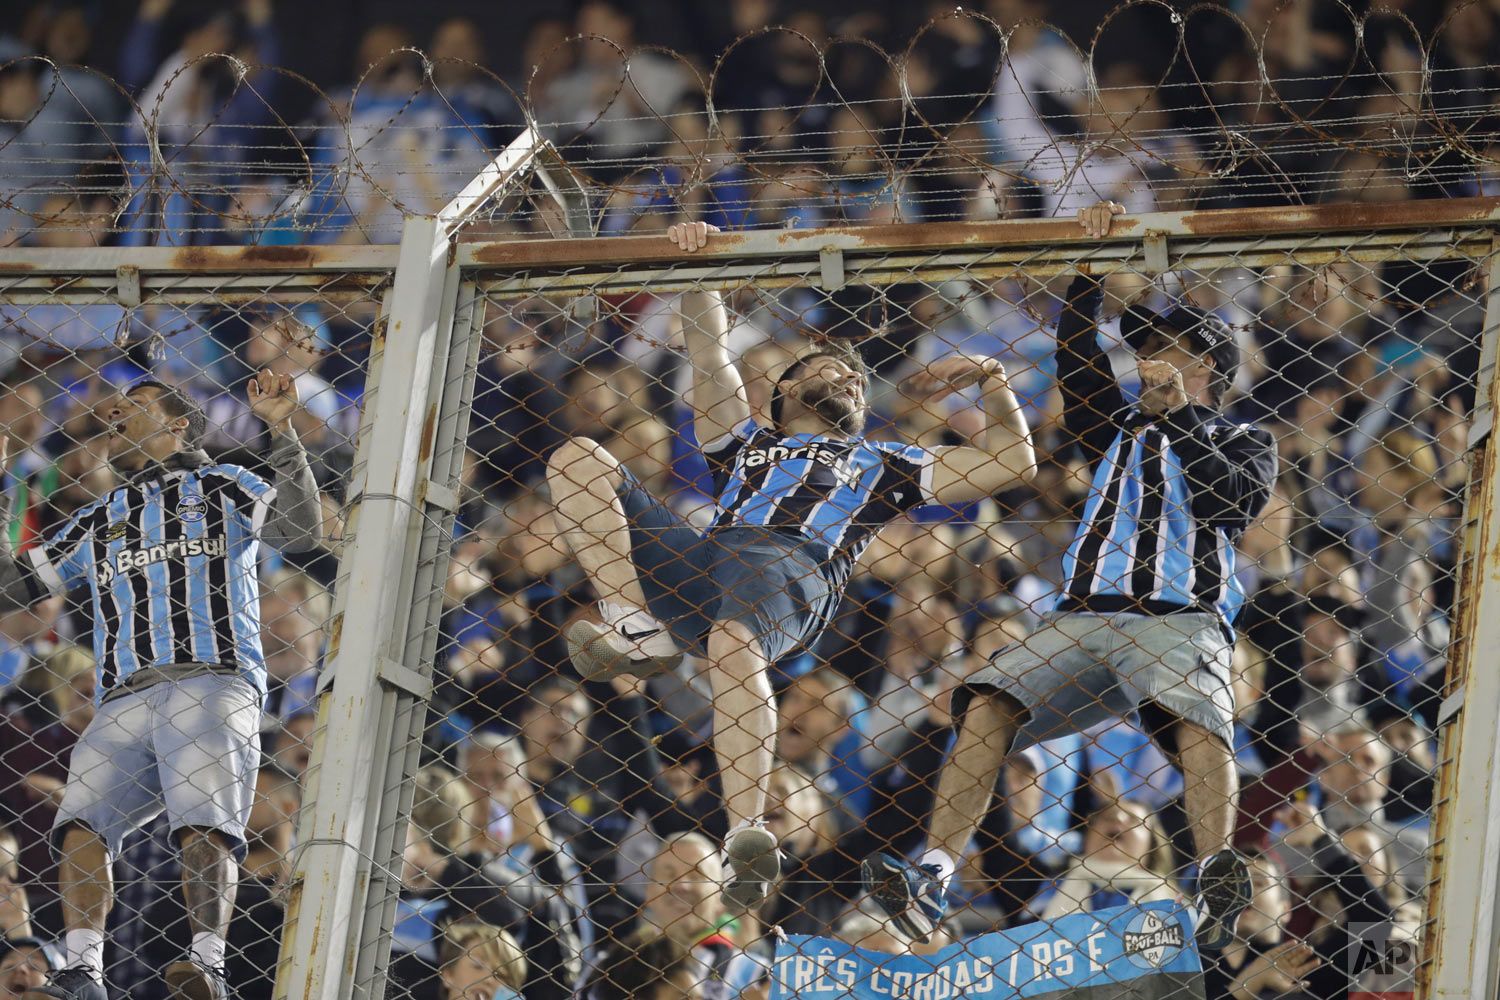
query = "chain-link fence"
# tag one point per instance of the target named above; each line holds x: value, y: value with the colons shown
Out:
x: 1218, y: 609
x: 869, y: 601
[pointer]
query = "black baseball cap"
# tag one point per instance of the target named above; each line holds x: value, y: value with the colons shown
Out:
x: 1210, y: 334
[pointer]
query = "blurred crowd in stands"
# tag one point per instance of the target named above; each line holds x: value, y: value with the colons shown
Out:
x: 183, y: 145
x: 564, y: 837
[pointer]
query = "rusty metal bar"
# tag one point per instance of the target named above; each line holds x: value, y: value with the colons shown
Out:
x: 1461, y: 934
x: 899, y: 264
x: 933, y: 236
x: 197, y: 260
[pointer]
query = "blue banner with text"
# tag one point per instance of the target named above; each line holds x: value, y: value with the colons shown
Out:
x: 1148, y: 945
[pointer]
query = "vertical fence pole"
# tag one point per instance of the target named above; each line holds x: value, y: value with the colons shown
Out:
x: 415, y: 635
x: 326, y: 908
x: 1462, y: 932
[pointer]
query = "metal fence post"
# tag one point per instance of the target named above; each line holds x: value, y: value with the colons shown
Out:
x: 326, y: 909
x: 1463, y: 929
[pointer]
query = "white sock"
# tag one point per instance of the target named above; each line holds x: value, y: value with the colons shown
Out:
x: 85, y: 950
x: 944, y: 864
x: 208, y: 949
x: 623, y: 616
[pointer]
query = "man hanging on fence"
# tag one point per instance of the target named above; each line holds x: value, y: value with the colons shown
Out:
x: 797, y: 502
x: 1143, y: 622
x: 170, y: 561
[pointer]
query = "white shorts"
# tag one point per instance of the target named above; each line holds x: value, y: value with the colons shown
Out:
x: 191, y: 747
x: 1079, y: 668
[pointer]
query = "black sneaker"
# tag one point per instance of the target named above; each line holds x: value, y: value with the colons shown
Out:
x: 77, y: 983
x: 1222, y: 893
x: 189, y: 980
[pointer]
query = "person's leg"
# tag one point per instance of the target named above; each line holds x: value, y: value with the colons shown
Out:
x: 206, y: 738
x: 86, y: 883
x: 112, y: 788
x: 584, y: 479
x: 210, y: 880
x: 744, y: 719
x: 966, y: 784
x: 1210, y: 784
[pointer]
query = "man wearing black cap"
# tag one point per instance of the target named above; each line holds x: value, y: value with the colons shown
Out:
x: 1143, y: 620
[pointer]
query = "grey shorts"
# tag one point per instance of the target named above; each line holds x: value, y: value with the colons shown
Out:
x: 190, y: 747
x: 1079, y: 669
x: 769, y: 581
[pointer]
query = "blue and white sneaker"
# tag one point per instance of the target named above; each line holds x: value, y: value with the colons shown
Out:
x: 913, y: 896
x: 1221, y: 893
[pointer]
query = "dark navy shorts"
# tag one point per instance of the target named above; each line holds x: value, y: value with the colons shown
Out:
x: 769, y: 581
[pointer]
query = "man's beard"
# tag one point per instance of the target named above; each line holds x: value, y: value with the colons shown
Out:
x: 836, y: 407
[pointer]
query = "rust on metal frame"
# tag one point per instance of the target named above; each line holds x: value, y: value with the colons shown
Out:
x: 1323, y: 219
x: 199, y: 259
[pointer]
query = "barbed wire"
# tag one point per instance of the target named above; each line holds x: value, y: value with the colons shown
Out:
x: 1242, y: 113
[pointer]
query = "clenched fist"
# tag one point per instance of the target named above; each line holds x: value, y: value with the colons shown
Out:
x: 273, y: 398
x: 1161, y: 387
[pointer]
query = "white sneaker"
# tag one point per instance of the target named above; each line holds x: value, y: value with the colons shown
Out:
x: 600, y: 651
x: 754, y: 864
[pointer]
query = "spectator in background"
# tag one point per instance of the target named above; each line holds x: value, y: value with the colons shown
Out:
x: 1353, y: 787
x: 800, y: 817
x: 84, y: 96
x: 458, y: 76
x: 682, y: 903
x: 863, y: 186
x: 645, y: 966
x: 205, y: 117
x: 1125, y: 859
x: 33, y: 137
x: 605, y: 397
x: 294, y: 608
x: 481, y: 962
x: 78, y: 478
x: 437, y: 885
x: 517, y: 417
x: 291, y: 742
x: 1261, y: 961
x: 814, y: 733
x: 1331, y: 694
x: 603, y: 99
x: 286, y: 343
x: 1402, y: 499
x: 525, y: 890
x: 15, y: 903
x: 24, y: 964
x: 45, y: 712
x: 22, y: 422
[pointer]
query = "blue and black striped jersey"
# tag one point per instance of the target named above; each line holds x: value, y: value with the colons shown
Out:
x: 170, y: 562
x: 830, y: 492
x: 1170, y: 494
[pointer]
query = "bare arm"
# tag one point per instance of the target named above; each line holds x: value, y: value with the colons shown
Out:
x: 719, y: 402
x: 1001, y: 455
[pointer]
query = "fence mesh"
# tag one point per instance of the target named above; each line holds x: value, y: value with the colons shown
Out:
x: 567, y: 816
x: 586, y: 813
x: 783, y: 562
